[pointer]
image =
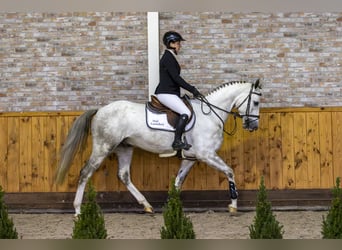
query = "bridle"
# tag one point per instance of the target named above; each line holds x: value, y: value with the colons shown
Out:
x: 212, y: 108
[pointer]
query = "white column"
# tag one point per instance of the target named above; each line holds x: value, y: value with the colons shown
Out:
x: 153, y: 51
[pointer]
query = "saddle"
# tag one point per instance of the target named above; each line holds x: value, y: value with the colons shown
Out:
x: 156, y: 107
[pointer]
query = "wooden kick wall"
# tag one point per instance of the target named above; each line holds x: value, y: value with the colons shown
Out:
x: 295, y: 148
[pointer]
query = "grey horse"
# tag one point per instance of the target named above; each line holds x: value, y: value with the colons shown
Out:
x: 121, y: 125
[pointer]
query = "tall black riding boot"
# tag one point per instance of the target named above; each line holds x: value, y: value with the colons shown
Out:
x: 178, y: 144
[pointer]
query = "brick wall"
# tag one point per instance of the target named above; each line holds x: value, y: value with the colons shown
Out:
x: 298, y: 56
x: 78, y: 61
x: 71, y: 61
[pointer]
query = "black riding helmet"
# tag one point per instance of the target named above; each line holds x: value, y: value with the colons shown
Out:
x: 171, y: 36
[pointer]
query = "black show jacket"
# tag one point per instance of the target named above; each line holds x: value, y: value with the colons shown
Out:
x: 170, y: 79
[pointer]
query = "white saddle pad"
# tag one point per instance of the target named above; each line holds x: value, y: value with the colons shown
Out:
x: 159, y: 121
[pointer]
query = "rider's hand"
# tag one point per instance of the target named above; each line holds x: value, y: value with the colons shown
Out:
x: 197, y: 94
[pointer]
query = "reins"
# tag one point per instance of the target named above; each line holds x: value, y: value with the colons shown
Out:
x: 212, y: 108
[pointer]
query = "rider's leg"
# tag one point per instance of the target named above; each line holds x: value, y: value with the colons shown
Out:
x: 176, y: 104
x: 178, y: 144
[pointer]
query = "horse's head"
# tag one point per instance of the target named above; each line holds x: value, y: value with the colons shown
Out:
x: 248, y: 106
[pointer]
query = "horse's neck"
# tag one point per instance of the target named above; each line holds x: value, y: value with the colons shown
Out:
x: 226, y: 96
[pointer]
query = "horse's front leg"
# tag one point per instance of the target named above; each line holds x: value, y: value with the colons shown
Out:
x: 213, y: 160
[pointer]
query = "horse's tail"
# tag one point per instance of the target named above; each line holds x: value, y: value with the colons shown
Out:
x: 75, y: 141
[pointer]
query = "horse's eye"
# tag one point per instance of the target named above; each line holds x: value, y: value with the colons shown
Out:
x: 256, y: 103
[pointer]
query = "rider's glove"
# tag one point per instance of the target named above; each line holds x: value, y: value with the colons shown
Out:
x: 196, y: 93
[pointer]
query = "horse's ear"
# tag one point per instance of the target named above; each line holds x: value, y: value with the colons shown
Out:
x: 257, y: 84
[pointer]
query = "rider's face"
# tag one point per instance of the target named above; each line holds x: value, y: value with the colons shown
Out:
x: 176, y: 45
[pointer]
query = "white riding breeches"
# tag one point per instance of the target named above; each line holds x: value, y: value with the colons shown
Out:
x: 175, y: 103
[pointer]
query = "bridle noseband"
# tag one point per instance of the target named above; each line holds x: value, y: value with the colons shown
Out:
x: 212, y: 108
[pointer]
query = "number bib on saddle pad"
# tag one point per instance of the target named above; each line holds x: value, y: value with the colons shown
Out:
x: 161, y: 117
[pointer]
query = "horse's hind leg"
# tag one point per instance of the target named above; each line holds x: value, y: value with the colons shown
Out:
x: 87, y: 171
x: 185, y: 167
x: 124, y: 154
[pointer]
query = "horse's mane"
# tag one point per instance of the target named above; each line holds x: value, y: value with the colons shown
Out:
x: 225, y: 85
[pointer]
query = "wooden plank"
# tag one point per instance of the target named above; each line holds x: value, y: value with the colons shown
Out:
x: 313, y: 149
x: 38, y: 130
x: 46, y: 156
x: 50, y: 154
x: 13, y: 154
x: 155, y: 172
x: 249, y: 160
x: 62, y: 127
x: 337, y: 145
x: 25, y: 147
x: 212, y: 178
x: 99, y: 177
x: 287, y: 130
x: 276, y: 172
x: 263, y: 153
x: 163, y: 173
x: 113, y: 173
x: 200, y: 175
x: 326, y: 150
x: 3, y: 153
x: 149, y: 180
x: 156, y: 169
x: 301, y: 159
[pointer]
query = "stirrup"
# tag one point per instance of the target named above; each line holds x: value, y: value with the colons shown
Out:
x: 179, y: 145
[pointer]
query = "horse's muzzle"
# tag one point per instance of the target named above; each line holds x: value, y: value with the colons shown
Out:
x: 250, y: 124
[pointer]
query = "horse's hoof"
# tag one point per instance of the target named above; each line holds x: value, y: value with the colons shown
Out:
x: 76, y: 217
x: 148, y: 210
x: 232, y: 209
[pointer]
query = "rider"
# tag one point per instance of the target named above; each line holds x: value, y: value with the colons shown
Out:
x: 168, y: 89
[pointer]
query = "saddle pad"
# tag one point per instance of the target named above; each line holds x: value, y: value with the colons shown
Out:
x: 158, y: 121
